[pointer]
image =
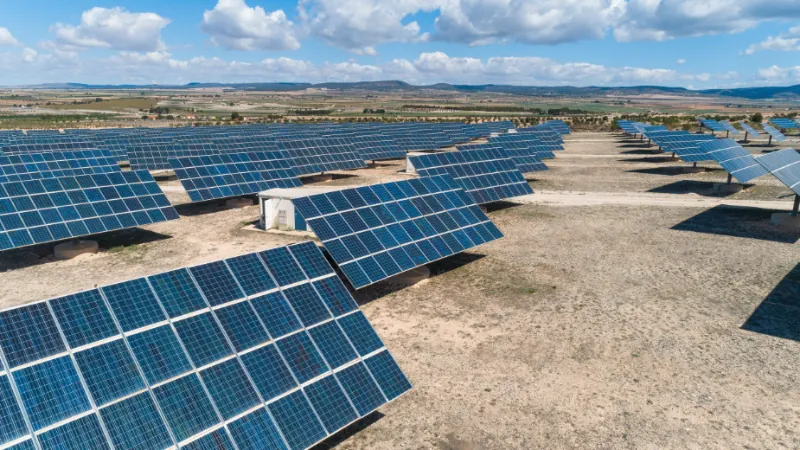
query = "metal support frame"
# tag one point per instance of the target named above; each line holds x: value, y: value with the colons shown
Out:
x: 730, y: 179
x: 796, y: 205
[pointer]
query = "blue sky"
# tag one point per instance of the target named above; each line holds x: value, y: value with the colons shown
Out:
x: 691, y: 43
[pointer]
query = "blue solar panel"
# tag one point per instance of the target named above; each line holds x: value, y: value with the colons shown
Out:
x: 488, y: 175
x: 729, y: 126
x: 784, y: 123
x: 750, y: 130
x: 234, y: 174
x: 733, y: 158
x: 310, y: 156
x: 785, y: 166
x: 48, y: 210
x: 774, y: 134
x: 189, y: 370
x: 414, y: 215
x: 711, y: 124
x: 36, y: 166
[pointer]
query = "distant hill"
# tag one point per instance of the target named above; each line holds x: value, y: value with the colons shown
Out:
x: 754, y: 93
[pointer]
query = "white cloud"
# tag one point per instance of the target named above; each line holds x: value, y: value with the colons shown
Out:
x: 666, y: 19
x: 680, y: 61
x: 6, y: 38
x: 234, y: 25
x: 360, y: 25
x: 776, y: 75
x: 114, y: 28
x: 786, y: 42
x: 532, y: 22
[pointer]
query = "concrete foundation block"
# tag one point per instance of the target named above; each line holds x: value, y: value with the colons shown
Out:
x: 786, y: 220
x: 725, y: 188
x: 73, y: 249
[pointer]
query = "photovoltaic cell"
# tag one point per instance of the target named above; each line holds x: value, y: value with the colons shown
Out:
x: 234, y: 174
x: 785, y: 166
x: 151, y: 363
x: 487, y: 175
x: 414, y: 217
x: 49, y: 210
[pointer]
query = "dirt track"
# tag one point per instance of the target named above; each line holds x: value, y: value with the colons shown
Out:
x: 616, y: 313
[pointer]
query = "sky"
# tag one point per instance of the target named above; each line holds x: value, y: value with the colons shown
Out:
x: 696, y: 44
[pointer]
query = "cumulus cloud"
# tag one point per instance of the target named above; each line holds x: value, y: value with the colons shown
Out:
x: 776, y: 75
x: 786, y: 42
x: 235, y: 25
x: 541, y: 22
x: 6, y: 38
x: 360, y: 25
x: 114, y: 28
x: 666, y: 19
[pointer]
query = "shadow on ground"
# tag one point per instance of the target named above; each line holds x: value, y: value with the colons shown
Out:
x: 736, y: 221
x: 500, y: 206
x: 652, y: 160
x: 779, y: 314
x: 668, y: 171
x: 395, y: 284
x: 209, y: 207
x: 704, y: 188
x: 109, y: 241
x: 338, y: 438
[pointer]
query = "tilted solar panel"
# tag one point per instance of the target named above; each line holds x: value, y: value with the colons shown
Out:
x: 35, y: 166
x: 53, y: 209
x: 750, y: 130
x: 527, y: 156
x: 734, y: 159
x: 234, y: 174
x: 265, y: 351
x: 487, y: 175
x: 311, y: 156
x: 729, y: 126
x: 375, y: 232
x: 785, y: 165
x: 774, y: 134
x: 688, y: 148
x: 784, y: 123
x: 711, y: 124
x: 157, y: 156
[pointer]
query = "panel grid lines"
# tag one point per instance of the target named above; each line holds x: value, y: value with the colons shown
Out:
x: 170, y: 410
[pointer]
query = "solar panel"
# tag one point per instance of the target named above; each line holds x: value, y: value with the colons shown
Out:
x: 728, y: 126
x: 785, y: 165
x: 49, y: 210
x: 234, y: 174
x: 774, y: 134
x: 250, y: 372
x: 36, y: 166
x: 687, y: 147
x: 320, y: 155
x: 487, y: 175
x: 375, y: 232
x: 733, y: 158
x: 784, y: 123
x: 748, y: 129
x: 711, y: 124
x: 527, y: 156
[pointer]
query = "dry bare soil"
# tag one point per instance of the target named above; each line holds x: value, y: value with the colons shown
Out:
x: 627, y: 307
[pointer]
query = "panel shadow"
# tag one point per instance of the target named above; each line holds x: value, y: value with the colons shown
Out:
x: 779, y: 314
x: 670, y: 170
x: 347, y: 432
x: 704, y: 188
x: 742, y: 222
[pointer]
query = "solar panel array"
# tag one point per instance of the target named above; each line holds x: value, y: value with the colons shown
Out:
x: 785, y: 166
x: 784, y: 123
x: 487, y: 175
x: 558, y: 125
x: 234, y: 174
x: 375, y: 232
x: 774, y: 134
x: 527, y: 156
x: 749, y: 130
x: 733, y: 158
x: 48, y: 210
x: 261, y: 351
x: 320, y: 155
x: 684, y: 145
x: 629, y: 127
x: 33, y: 166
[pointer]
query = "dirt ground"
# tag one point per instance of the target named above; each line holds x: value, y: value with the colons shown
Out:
x: 627, y: 307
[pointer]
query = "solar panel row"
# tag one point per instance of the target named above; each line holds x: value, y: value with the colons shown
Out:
x: 375, y: 232
x: 261, y: 351
x: 34, y: 166
x: 733, y: 158
x: 38, y: 211
x: 487, y: 175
